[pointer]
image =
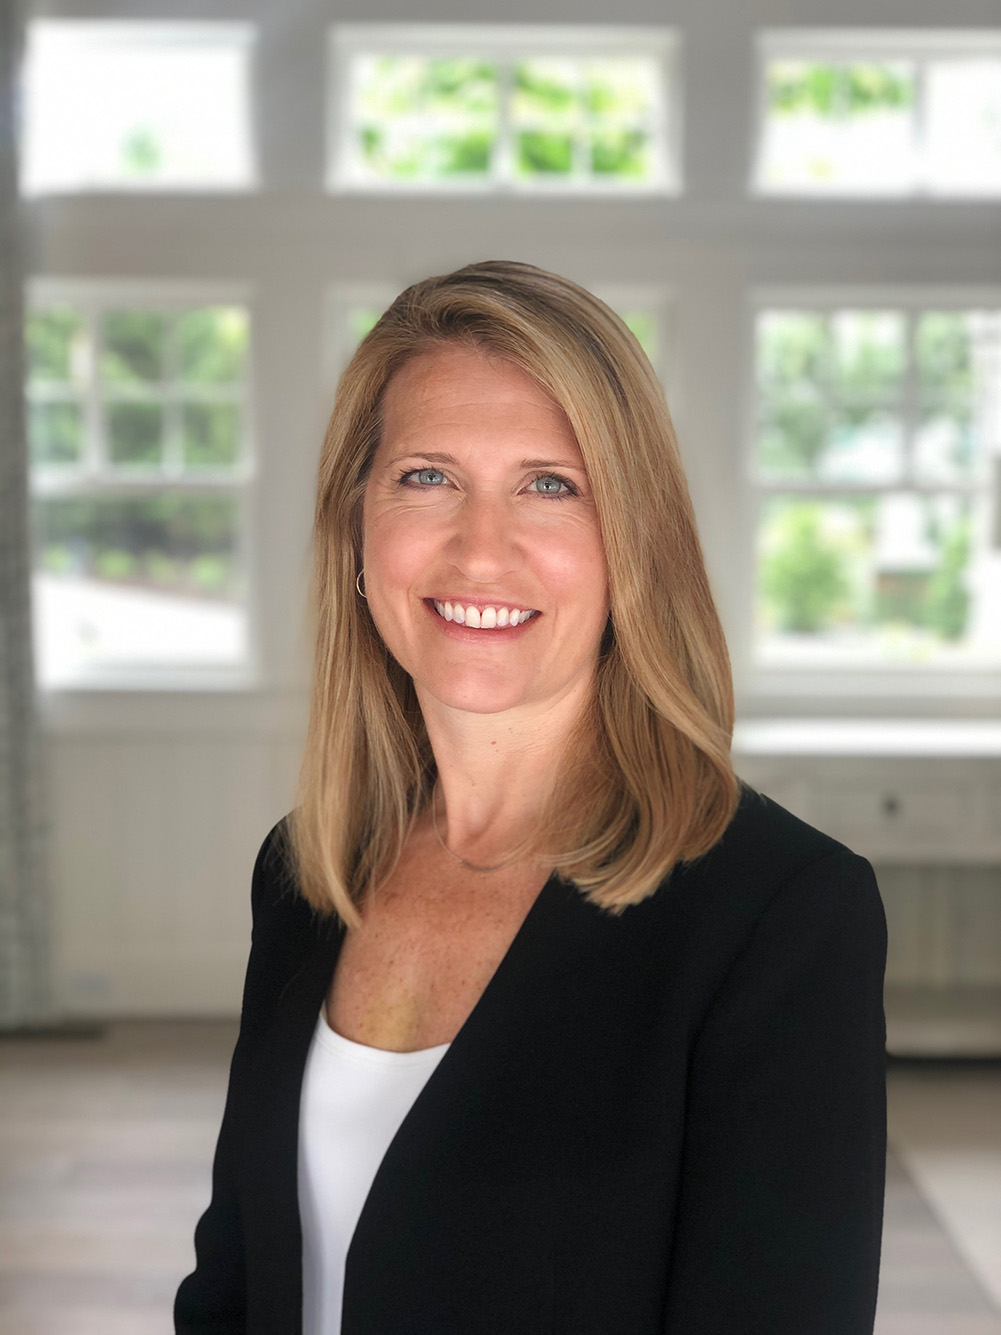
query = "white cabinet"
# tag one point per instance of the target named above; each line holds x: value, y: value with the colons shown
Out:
x: 905, y: 794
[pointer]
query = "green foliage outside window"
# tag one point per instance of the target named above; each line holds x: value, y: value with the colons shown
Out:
x: 212, y: 345
x: 51, y: 335
x: 424, y: 118
x: 838, y: 89
x: 134, y: 343
x: 142, y: 152
x: 540, y: 153
x: 181, y: 542
x: 135, y: 433
x: 211, y: 434
x: 55, y: 433
x: 804, y: 578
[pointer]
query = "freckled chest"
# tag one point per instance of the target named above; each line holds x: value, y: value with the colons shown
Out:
x: 428, y: 947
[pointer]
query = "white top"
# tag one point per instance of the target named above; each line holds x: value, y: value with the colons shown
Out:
x: 353, y: 1100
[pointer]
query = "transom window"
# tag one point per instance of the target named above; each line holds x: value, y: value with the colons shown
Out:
x: 879, y: 113
x: 129, y: 106
x: 877, y: 458
x: 480, y: 108
x: 138, y: 428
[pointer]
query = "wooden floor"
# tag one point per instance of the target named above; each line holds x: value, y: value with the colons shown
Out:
x: 106, y: 1146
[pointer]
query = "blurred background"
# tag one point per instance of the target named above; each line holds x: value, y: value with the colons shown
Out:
x: 794, y: 204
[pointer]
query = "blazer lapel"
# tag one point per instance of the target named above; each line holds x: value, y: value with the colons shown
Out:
x: 270, y: 1137
x: 464, y: 1110
x: 446, y: 1222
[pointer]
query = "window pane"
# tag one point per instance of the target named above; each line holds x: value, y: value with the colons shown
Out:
x: 831, y: 395
x: 136, y: 105
x: 793, y: 350
x: 873, y: 579
x: 793, y: 430
x: 55, y: 345
x: 544, y: 154
x: 135, y: 433
x: 55, y: 432
x: 410, y: 153
x: 619, y: 88
x: 620, y: 153
x: 134, y: 343
x: 868, y: 355
x: 211, y: 434
x: 839, y: 126
x: 644, y: 325
x: 958, y: 355
x: 453, y: 87
x: 545, y: 92
x: 963, y: 125
x: 212, y: 345
x: 424, y: 118
x: 137, y: 581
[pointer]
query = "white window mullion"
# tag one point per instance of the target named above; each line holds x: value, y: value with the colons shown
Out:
x: 919, y: 131
x: 171, y: 466
x: 95, y: 451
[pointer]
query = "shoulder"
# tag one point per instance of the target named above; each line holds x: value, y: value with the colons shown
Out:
x: 765, y: 834
x: 764, y: 847
x: 773, y: 870
x: 275, y: 894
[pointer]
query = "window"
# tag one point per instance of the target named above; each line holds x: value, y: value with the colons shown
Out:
x: 138, y: 430
x: 877, y: 459
x: 136, y: 106
x: 879, y: 113
x: 469, y: 107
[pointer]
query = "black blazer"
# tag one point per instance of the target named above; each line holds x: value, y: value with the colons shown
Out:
x: 672, y: 1121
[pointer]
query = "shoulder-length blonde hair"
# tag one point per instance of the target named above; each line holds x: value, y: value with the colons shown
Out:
x: 646, y: 779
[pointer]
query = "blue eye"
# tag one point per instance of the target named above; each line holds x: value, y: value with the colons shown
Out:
x: 570, y: 489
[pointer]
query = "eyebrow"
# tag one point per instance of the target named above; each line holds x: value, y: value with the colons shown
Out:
x: 438, y: 458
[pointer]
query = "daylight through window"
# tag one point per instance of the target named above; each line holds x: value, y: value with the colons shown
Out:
x: 136, y: 106
x: 876, y: 114
x: 492, y: 109
x: 138, y: 438
x: 877, y: 455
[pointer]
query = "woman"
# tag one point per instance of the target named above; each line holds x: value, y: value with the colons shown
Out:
x: 551, y: 1023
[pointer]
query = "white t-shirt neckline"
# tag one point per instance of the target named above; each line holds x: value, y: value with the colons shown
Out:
x: 348, y: 1050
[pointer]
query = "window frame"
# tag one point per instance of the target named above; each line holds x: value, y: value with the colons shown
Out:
x: 863, y: 44
x: 929, y: 689
x: 92, y: 296
x: 505, y: 42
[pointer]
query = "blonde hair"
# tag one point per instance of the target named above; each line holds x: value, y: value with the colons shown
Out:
x: 646, y: 778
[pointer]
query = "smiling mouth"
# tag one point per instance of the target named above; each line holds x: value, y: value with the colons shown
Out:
x: 490, y: 618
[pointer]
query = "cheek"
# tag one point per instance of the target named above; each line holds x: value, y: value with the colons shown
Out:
x: 576, y: 569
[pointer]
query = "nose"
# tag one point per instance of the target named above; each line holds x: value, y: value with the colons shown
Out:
x: 484, y: 545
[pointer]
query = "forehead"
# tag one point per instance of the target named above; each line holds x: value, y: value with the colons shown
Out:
x: 463, y: 387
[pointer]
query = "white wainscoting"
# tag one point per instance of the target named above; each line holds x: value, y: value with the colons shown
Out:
x: 154, y: 832
x: 157, y: 820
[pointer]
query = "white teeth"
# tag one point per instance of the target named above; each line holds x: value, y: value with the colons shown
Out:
x: 489, y: 619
